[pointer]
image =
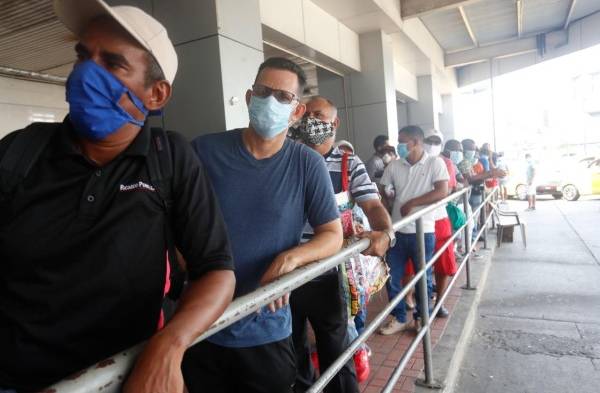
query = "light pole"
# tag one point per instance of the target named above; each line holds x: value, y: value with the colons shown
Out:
x: 491, y: 61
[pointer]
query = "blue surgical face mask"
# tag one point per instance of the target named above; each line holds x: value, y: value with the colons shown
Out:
x: 269, y: 117
x: 456, y: 156
x: 469, y: 154
x: 93, y: 95
x: 402, y: 149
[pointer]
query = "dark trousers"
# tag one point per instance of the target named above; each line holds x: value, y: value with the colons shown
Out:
x: 320, y: 302
x: 269, y: 368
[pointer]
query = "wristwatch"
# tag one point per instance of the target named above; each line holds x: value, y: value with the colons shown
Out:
x: 392, y: 235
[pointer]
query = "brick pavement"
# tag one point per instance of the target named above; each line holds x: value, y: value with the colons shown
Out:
x: 387, y: 350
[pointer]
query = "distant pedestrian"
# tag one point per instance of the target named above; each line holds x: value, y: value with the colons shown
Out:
x: 531, y: 176
x: 501, y: 164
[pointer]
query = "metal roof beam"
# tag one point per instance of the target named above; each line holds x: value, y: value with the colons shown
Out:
x: 519, y: 18
x: 570, y: 14
x: 484, y: 53
x: 416, y: 8
x: 465, y: 19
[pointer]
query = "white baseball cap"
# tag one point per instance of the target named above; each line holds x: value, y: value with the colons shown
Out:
x: 147, y: 31
x: 434, y: 132
x: 344, y: 143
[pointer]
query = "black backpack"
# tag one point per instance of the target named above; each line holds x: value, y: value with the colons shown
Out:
x: 28, y: 145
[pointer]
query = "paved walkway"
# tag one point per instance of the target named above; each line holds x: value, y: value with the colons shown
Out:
x: 387, y: 350
x: 539, y: 318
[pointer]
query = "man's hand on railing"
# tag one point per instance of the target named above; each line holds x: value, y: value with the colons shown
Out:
x: 157, y: 369
x: 279, y: 303
x: 381, y: 223
x: 380, y: 243
x: 406, y: 208
x: 282, y: 264
x: 499, y: 173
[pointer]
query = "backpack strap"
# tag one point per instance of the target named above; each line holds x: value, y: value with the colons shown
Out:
x: 160, y: 168
x: 345, y: 180
x: 22, y: 154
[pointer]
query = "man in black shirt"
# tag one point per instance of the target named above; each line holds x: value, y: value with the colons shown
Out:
x: 84, y: 235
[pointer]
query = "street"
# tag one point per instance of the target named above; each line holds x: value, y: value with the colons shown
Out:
x: 538, y: 326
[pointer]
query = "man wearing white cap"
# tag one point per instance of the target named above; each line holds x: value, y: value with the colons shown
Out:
x: 91, y: 211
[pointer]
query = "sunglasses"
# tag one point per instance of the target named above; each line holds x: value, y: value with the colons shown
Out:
x: 284, y: 97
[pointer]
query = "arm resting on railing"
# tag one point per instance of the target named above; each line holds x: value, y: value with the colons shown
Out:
x: 495, y: 172
x: 439, y: 192
x: 158, y: 368
x: 380, y: 222
x: 327, y: 241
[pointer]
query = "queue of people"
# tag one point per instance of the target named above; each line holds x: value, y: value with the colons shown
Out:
x: 101, y: 215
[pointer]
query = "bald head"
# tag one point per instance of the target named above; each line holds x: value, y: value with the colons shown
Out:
x: 322, y: 109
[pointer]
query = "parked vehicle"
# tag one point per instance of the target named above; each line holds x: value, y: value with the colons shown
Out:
x: 548, y: 183
x: 518, y: 189
x: 583, y: 179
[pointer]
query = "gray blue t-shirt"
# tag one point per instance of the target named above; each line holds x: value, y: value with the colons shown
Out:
x: 265, y: 204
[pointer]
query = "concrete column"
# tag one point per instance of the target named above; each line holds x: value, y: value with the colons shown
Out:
x: 332, y: 86
x: 447, y: 117
x: 402, y: 109
x: 370, y: 95
x: 424, y: 112
x: 219, y: 46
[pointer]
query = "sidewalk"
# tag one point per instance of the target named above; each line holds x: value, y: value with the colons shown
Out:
x: 538, y: 322
x: 387, y: 350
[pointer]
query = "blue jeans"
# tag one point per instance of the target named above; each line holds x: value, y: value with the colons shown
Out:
x: 360, y: 319
x: 475, y: 200
x: 406, y: 247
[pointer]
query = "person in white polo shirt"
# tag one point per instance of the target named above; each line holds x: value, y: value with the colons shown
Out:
x: 410, y: 184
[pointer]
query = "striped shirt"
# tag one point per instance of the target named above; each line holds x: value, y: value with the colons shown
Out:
x: 361, y: 187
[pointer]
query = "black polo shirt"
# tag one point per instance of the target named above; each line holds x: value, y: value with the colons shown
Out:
x: 83, y: 255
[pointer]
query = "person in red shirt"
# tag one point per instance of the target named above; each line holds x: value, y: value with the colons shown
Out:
x: 445, y: 266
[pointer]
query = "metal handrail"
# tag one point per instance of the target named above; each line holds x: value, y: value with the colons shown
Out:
x: 328, y: 374
x: 109, y: 374
x: 429, y: 381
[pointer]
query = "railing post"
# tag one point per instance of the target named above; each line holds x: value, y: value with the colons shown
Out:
x: 424, y: 301
x: 468, y: 237
x: 495, y: 203
x: 483, y: 220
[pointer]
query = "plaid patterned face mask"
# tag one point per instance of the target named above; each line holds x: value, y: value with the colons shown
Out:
x: 313, y: 131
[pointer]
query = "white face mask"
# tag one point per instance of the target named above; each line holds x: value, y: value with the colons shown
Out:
x: 387, y: 158
x: 433, y: 150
